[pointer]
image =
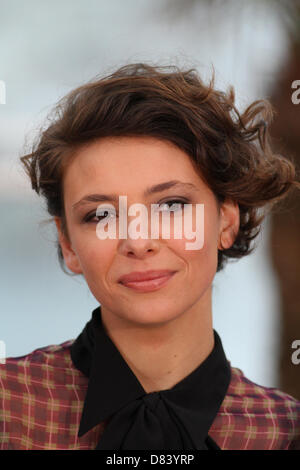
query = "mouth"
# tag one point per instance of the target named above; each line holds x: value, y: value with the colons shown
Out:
x: 146, y: 281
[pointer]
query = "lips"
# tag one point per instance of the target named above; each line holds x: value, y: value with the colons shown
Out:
x: 140, y: 276
x: 147, y: 281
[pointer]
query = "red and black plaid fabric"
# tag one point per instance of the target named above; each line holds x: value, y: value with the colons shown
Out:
x: 42, y: 396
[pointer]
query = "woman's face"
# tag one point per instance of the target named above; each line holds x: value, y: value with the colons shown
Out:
x: 129, y: 166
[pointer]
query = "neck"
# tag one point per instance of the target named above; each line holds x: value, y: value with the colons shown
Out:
x: 166, y: 353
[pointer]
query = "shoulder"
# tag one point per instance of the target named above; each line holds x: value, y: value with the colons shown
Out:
x: 48, y: 366
x: 36, y: 362
x: 34, y: 388
x: 253, y: 416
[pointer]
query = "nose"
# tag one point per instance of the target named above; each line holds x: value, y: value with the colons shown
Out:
x: 139, y: 248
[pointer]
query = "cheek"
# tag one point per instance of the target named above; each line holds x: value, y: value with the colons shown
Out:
x: 203, y: 260
x: 95, y: 256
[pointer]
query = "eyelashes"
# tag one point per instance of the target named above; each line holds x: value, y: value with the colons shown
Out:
x: 88, y: 218
x: 165, y: 205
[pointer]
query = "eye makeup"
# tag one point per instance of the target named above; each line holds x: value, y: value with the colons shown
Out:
x: 88, y: 218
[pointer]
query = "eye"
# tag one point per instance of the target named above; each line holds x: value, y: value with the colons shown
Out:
x: 90, y: 216
x: 176, y: 203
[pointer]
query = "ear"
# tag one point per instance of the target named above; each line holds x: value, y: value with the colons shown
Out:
x: 69, y: 254
x: 229, y: 223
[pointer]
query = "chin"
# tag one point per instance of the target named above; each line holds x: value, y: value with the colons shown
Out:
x: 150, y: 312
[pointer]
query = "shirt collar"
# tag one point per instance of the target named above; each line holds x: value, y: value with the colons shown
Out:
x: 112, y: 384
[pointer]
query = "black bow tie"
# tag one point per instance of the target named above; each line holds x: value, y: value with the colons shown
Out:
x: 177, y: 418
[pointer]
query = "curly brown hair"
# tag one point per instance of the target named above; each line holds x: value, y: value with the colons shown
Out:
x: 230, y: 150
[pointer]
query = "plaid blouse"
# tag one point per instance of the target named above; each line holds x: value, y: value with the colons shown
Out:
x: 42, y: 396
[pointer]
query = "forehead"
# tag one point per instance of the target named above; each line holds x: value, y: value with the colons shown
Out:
x: 120, y: 164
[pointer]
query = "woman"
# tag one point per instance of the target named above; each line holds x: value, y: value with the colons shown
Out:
x: 148, y: 371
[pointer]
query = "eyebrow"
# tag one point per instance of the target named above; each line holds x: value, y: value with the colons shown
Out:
x: 157, y: 188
